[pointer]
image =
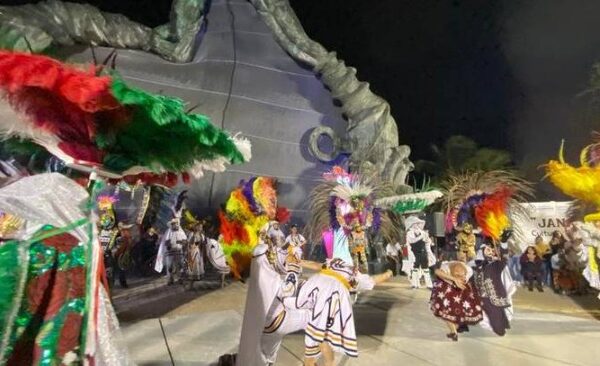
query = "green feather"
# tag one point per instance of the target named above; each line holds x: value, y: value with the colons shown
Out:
x: 161, y: 133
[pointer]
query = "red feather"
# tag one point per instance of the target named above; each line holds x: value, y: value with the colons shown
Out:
x: 283, y: 215
x: 62, y: 100
x: 491, y: 215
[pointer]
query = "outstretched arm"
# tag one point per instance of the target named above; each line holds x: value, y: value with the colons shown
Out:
x: 315, y: 266
x: 382, y: 277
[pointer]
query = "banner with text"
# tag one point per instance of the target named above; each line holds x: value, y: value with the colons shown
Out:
x: 544, y: 218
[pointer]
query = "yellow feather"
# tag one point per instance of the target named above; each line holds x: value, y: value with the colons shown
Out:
x: 581, y: 183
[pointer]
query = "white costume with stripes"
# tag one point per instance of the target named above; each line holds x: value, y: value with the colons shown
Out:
x: 267, y: 319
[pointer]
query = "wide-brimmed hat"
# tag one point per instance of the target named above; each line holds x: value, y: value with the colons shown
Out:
x: 413, y: 220
x: 124, y: 226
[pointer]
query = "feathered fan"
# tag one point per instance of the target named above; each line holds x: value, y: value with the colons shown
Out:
x: 581, y: 183
x: 90, y: 118
x: 347, y: 197
x: 485, y: 199
x: 250, y: 207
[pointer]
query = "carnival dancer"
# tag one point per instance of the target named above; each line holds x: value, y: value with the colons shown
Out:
x: 266, y: 319
x: 43, y: 276
x: 358, y: 248
x: 277, y: 236
x: 393, y: 256
x: 197, y: 242
x: 295, y: 242
x: 331, y: 322
x: 340, y: 202
x: 453, y: 298
x: 582, y: 183
x: 420, y: 247
x: 279, y: 303
x: 108, y: 233
x: 171, y: 250
x: 495, y: 288
x: 121, y: 253
x: 216, y: 257
x: 466, y: 242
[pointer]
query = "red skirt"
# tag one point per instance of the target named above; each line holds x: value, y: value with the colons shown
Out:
x: 450, y: 303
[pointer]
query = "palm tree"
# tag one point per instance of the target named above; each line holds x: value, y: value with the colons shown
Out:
x: 461, y: 154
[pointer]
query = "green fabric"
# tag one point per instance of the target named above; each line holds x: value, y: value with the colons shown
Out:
x: 161, y: 133
x: 12, y: 272
x: 410, y: 206
x: 18, y: 325
x: 18, y: 146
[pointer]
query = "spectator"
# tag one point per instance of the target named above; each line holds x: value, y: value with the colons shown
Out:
x: 393, y: 256
x: 532, y: 269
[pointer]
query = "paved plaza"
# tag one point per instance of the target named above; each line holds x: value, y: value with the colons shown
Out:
x: 394, y: 325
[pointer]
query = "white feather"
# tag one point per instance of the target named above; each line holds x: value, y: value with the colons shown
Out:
x: 244, y: 146
x: 429, y: 197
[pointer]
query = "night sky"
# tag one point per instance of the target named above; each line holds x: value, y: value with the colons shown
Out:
x: 439, y: 64
x: 508, y: 74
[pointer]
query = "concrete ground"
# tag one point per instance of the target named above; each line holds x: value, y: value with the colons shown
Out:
x: 393, y: 322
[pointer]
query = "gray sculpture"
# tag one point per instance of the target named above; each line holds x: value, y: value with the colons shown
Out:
x: 277, y: 123
x: 38, y: 26
x: 372, y: 134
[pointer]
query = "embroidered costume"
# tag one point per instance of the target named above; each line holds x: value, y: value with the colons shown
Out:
x: 496, y: 288
x: 582, y: 183
x: 450, y: 303
x: 53, y: 308
x: 343, y: 209
x: 420, y: 255
x: 331, y: 320
x: 267, y: 319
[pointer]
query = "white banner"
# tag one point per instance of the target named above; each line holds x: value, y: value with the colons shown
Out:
x: 544, y: 218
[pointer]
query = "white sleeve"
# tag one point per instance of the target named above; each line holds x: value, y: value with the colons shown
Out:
x: 288, y: 239
x: 445, y: 267
x: 364, y: 282
x: 302, y: 240
x: 469, y: 272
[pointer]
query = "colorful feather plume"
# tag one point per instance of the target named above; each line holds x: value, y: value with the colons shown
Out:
x: 249, y: 207
x: 409, y: 203
x: 106, y: 202
x: 344, y: 199
x: 85, y: 117
x: 491, y: 213
x: 581, y: 183
x: 484, y: 199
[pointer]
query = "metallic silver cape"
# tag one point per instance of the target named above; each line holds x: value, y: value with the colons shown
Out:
x: 57, y: 200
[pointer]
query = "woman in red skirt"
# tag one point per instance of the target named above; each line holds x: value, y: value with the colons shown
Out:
x: 453, y: 299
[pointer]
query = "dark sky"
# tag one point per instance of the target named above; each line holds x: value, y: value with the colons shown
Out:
x: 439, y: 64
x: 505, y: 73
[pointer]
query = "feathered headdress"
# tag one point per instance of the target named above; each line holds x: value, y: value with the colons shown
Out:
x: 9, y: 224
x: 344, y: 199
x: 409, y: 203
x: 106, y: 202
x: 581, y: 183
x: 484, y: 199
x: 249, y: 208
x: 90, y: 118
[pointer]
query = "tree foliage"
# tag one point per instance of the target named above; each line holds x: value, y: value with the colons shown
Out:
x: 462, y: 154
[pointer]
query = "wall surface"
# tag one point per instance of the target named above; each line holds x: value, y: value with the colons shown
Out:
x: 274, y: 101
